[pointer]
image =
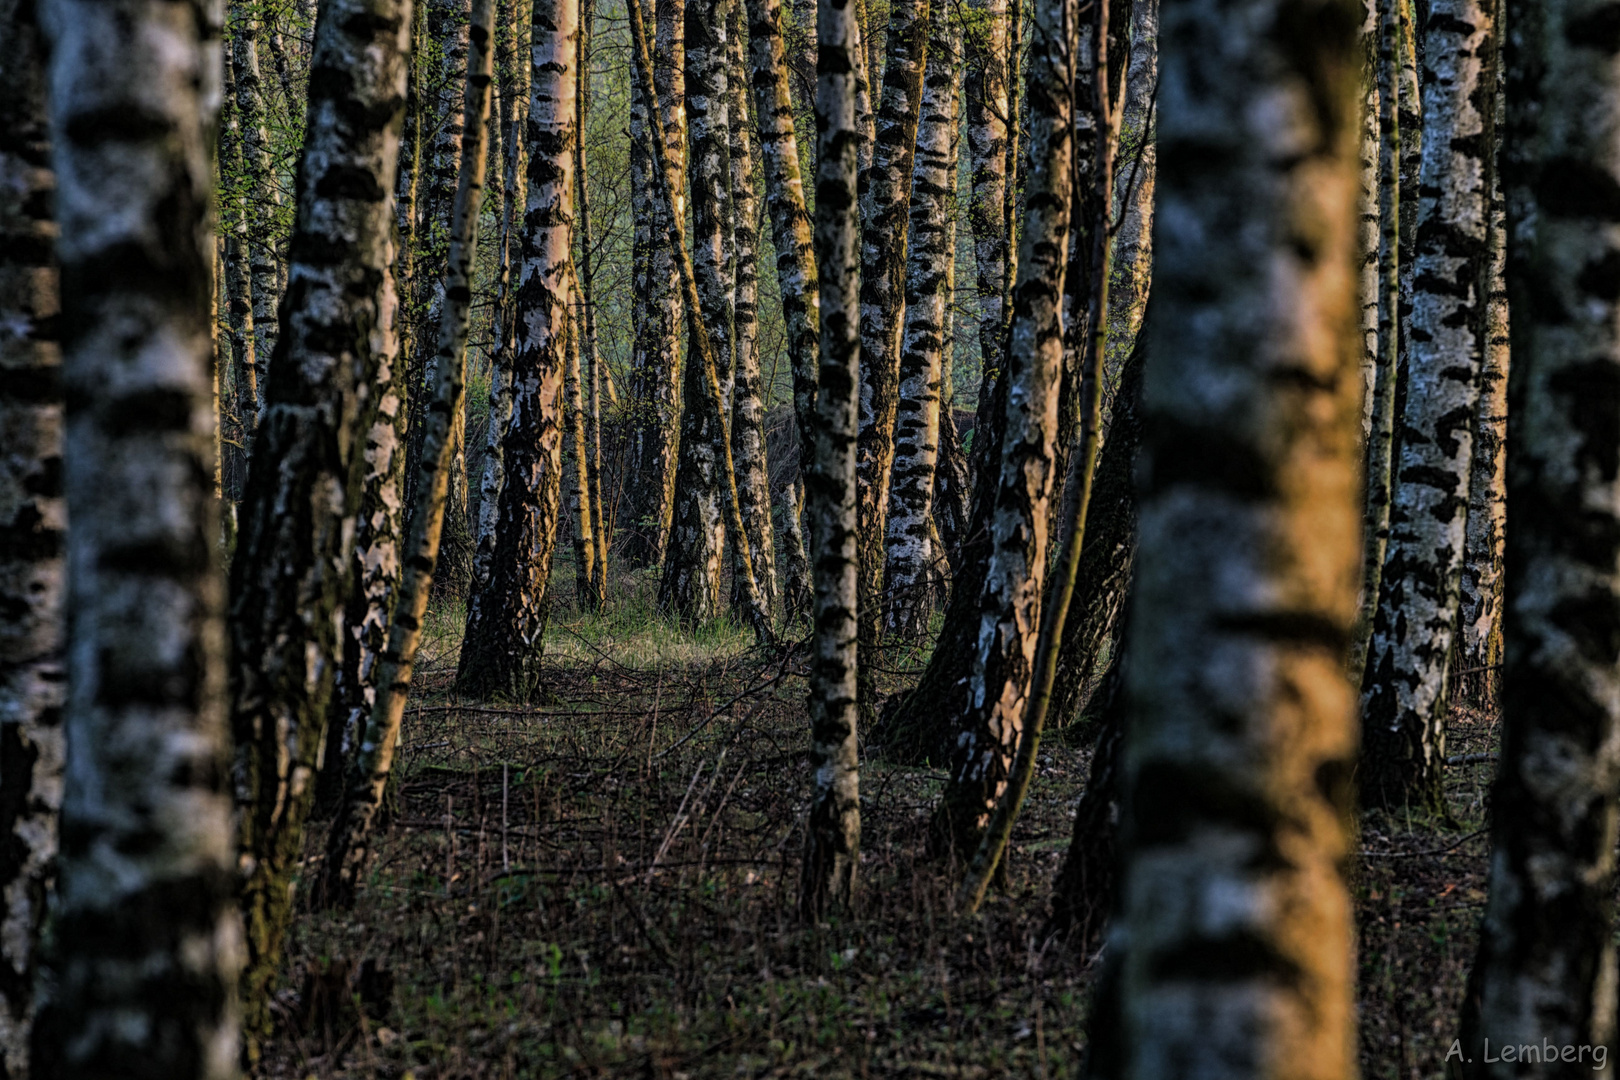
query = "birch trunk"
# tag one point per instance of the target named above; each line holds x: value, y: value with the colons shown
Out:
x: 235, y: 216
x: 266, y: 194
x: 645, y: 491
x: 1009, y: 602
x: 747, y: 412
x: 1379, y: 477
x: 1369, y: 214
x: 931, y: 248
x: 985, y: 91
x: 292, y: 568
x: 1243, y: 735
x: 795, y: 260
x: 1135, y: 183
x: 1480, y: 617
x: 833, y: 827
x: 33, y: 523
x: 506, y: 618
x: 579, y: 486
x: 586, y: 285
x: 1404, y: 687
x: 690, y: 586
x: 885, y: 198
x: 1546, y: 963
x: 148, y: 941
x: 349, y: 839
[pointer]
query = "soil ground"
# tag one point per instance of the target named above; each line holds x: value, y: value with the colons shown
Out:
x: 603, y: 886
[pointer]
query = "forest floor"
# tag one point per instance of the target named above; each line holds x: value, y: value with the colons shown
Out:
x: 603, y: 886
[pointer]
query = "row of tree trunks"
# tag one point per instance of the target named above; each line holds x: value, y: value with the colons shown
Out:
x: 145, y: 967
x: 32, y: 525
x: 908, y: 550
x: 885, y: 191
x: 1404, y: 687
x: 506, y: 616
x: 1546, y: 963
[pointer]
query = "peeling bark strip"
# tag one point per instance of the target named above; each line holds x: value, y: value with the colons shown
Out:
x: 1009, y: 614
x: 832, y: 842
x: 1547, y: 956
x: 506, y: 618
x: 795, y: 256
x: 1404, y: 687
x: 690, y: 586
x: 292, y: 565
x: 33, y: 518
x: 148, y: 940
x: 907, y: 594
x: 885, y: 197
x: 747, y: 412
x: 1236, y: 931
x: 349, y: 838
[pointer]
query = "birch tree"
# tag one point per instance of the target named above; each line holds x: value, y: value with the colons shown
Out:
x: 148, y: 942
x: 264, y: 260
x: 1009, y: 602
x: 293, y: 567
x: 506, y: 618
x: 885, y: 197
x: 833, y: 828
x: 32, y: 525
x: 931, y: 249
x: 690, y: 586
x: 747, y: 410
x: 985, y: 101
x: 1404, y: 688
x: 1235, y: 941
x: 1546, y: 962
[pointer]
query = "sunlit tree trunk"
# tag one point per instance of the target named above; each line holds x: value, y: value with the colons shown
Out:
x: 265, y: 201
x: 795, y: 260
x: 1235, y: 939
x: 1135, y: 182
x: 885, y: 197
x: 578, y: 475
x: 1480, y: 615
x: 147, y: 937
x: 1009, y: 602
x: 293, y: 564
x: 1380, y: 423
x: 909, y: 551
x: 1369, y: 214
x: 506, y: 618
x: 32, y: 525
x: 591, y: 359
x: 833, y: 828
x: 690, y: 586
x: 1404, y: 687
x: 747, y: 411
x: 1545, y: 970
x: 349, y: 838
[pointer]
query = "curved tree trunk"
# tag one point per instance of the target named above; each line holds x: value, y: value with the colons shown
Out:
x: 885, y: 197
x: 908, y: 599
x: 147, y: 936
x: 1546, y: 963
x: 32, y: 525
x: 747, y: 412
x: 1235, y: 939
x: 349, y: 839
x: 1404, y: 687
x: 795, y: 260
x: 690, y: 586
x: 506, y: 618
x: 832, y: 844
x: 1009, y: 603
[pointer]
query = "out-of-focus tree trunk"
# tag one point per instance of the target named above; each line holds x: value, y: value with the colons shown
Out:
x: 1545, y: 970
x: 1404, y: 686
x: 506, y: 618
x: 32, y: 525
x: 147, y: 938
x: 293, y: 566
x: 1234, y: 946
